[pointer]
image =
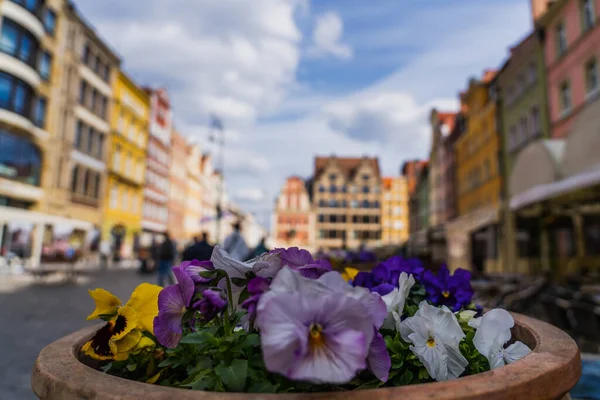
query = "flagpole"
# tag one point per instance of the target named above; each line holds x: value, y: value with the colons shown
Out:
x: 218, y: 126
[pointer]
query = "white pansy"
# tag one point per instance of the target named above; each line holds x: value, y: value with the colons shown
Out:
x: 493, y: 332
x: 396, y: 299
x: 435, y: 335
x: 234, y: 268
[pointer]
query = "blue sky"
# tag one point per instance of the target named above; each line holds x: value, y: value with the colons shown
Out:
x: 295, y: 78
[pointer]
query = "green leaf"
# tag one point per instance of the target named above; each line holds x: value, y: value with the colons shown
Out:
x: 423, y: 374
x: 234, y: 375
x: 201, y: 337
x: 406, y: 378
x: 131, y: 367
x: 205, y: 383
x: 239, y: 281
x: 251, y: 340
x: 263, y: 387
x: 209, y: 274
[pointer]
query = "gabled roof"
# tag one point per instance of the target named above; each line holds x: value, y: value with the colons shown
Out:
x: 348, y: 165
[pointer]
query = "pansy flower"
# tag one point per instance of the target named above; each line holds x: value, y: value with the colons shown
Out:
x: 123, y: 330
x: 173, y: 302
x: 396, y: 299
x: 453, y: 291
x: 492, y: 334
x: 435, y: 335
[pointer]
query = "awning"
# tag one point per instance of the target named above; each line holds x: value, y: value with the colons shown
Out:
x: 537, y: 164
x: 10, y: 214
x: 556, y: 189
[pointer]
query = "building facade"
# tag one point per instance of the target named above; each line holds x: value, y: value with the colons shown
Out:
x: 158, y: 159
x: 442, y: 123
x: 293, y: 221
x: 448, y: 167
x: 478, y: 171
x: 571, y: 50
x: 411, y: 171
x: 193, y: 206
x: 122, y: 222
x: 32, y: 36
x: 347, y: 202
x: 178, y: 188
x: 523, y: 117
x: 394, y: 211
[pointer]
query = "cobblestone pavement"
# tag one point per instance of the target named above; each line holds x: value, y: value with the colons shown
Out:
x: 33, y: 315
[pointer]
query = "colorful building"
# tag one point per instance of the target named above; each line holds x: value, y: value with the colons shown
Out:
x: 441, y: 124
x: 293, y: 221
x: 193, y: 178
x: 346, y: 197
x: 158, y: 160
x: 523, y: 113
x: 126, y: 166
x: 556, y: 181
x: 478, y: 172
x: 411, y: 171
x: 178, y: 189
x: 394, y: 211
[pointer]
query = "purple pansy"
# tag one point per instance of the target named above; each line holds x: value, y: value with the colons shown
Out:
x: 172, y: 305
x: 317, y: 338
x: 210, y: 304
x: 306, y: 293
x: 384, y: 276
x: 453, y: 291
x: 195, y: 267
x: 256, y: 287
x: 268, y: 265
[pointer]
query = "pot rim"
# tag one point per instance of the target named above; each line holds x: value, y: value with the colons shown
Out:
x: 549, y: 372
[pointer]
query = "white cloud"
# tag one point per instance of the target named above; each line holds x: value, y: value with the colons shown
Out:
x: 251, y: 195
x: 327, y: 37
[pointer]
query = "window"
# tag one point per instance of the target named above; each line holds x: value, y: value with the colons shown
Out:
x: 33, y: 6
x: 332, y: 177
x: 524, y: 130
x: 83, y: 88
x: 120, y: 122
x: 20, y: 160
x: 45, y: 65
x: 79, y: 135
x: 39, y: 115
x: 512, y: 137
x: 365, y: 204
x: 365, y: 189
x: 354, y: 204
x: 97, y: 185
x: 114, y: 194
x: 321, y: 218
x: 565, y: 97
x: 321, y: 189
x: 532, y: 73
x: 520, y: 84
x: 561, y: 39
x: 117, y: 159
x: 128, y: 163
x: 86, y: 54
x: 322, y: 203
x: 15, y: 95
x: 100, y: 147
x: 50, y: 21
x: 332, y: 203
x: 125, y: 201
x: 93, y: 100
x: 90, y: 140
x: 535, y: 121
x: 587, y: 14
x: 397, y: 210
x: 591, y: 77
x: 97, y: 63
x: 74, y: 179
x: 106, y: 72
x: 332, y: 189
x: 18, y: 42
x: 103, y: 107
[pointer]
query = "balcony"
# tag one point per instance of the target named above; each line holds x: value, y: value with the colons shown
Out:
x: 25, y: 14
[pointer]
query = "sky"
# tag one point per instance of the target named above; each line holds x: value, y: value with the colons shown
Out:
x: 292, y: 79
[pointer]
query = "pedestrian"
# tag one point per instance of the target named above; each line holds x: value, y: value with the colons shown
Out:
x: 235, y: 244
x: 261, y: 248
x: 200, y: 250
x: 104, y: 253
x: 166, y: 259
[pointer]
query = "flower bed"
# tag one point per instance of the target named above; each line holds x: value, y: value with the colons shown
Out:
x: 285, y: 323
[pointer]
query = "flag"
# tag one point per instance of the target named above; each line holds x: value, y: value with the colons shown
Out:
x: 216, y: 123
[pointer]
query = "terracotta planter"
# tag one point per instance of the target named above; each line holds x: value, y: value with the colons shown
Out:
x: 549, y: 372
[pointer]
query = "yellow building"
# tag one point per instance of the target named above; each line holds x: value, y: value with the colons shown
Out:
x: 474, y: 234
x: 394, y: 211
x: 126, y: 165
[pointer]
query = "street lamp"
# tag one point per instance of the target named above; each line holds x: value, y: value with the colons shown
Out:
x: 217, y: 135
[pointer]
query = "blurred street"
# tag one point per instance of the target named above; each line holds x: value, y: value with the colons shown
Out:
x: 33, y: 315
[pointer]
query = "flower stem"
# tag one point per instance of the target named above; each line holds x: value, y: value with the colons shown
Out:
x: 229, y: 294
x: 226, y: 324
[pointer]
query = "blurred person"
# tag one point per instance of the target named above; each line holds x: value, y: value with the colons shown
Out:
x: 235, y: 244
x: 104, y: 253
x: 166, y: 259
x: 261, y: 248
x: 200, y: 250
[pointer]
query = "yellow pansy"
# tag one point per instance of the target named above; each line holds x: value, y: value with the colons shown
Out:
x: 144, y: 343
x: 349, y: 273
x: 106, y: 303
x: 117, y: 336
x: 153, y: 379
x: 144, y: 300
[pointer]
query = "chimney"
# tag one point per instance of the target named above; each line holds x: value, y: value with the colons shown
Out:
x: 539, y: 8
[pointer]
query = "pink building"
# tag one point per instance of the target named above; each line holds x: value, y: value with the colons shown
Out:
x: 292, y: 218
x: 572, y: 52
